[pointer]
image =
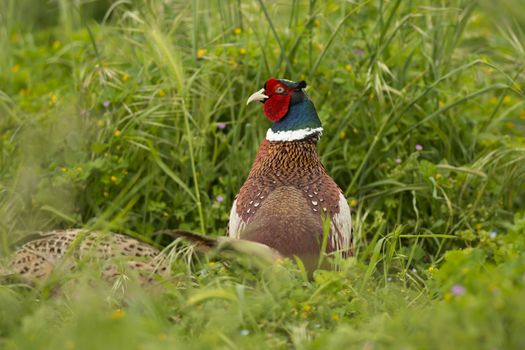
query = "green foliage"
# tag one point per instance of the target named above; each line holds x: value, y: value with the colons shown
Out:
x: 473, y: 299
x: 131, y: 116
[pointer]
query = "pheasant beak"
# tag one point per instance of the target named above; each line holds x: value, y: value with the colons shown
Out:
x: 258, y: 96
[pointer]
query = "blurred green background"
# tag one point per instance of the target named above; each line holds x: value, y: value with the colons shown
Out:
x: 130, y: 116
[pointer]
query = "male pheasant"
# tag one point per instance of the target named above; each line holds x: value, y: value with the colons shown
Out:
x: 288, y: 191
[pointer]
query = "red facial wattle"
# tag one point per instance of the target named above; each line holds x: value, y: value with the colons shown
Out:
x: 278, y: 102
x: 276, y: 107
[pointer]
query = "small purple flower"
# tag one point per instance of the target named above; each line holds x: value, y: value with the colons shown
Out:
x: 398, y: 160
x: 493, y: 234
x: 419, y: 147
x: 105, y: 104
x: 221, y: 126
x: 358, y: 52
x: 457, y: 290
x: 219, y: 198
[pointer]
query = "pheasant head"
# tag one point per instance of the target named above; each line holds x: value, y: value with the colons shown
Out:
x: 289, y: 108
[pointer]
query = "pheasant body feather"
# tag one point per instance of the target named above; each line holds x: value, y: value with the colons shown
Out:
x: 38, y: 258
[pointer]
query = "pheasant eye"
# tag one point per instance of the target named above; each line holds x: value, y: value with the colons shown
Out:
x: 279, y: 89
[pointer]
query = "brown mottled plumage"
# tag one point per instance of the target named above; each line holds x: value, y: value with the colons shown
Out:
x: 296, y: 164
x: 284, y: 198
x: 38, y: 258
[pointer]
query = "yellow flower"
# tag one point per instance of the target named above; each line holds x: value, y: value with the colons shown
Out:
x: 441, y: 103
x: 348, y: 67
x: 431, y: 269
x: 307, y: 308
x: 317, y: 23
x: 493, y: 288
x: 64, y: 170
x: 117, y: 314
x: 114, y: 178
x: 237, y: 31
x: 117, y: 133
x: 488, y: 70
x: 353, y: 202
x: 242, y: 51
x: 125, y: 77
x: 201, y: 53
x: 53, y: 99
x: 507, y: 99
x: 15, y: 68
x: 23, y: 92
x: 56, y: 44
x: 100, y: 123
x: 475, y: 19
x: 447, y: 296
x: 79, y: 169
x: 333, y: 7
x: 162, y: 93
x: 478, y: 227
x: 342, y: 135
x: 335, y: 317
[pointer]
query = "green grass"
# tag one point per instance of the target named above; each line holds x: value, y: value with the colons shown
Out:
x: 109, y: 116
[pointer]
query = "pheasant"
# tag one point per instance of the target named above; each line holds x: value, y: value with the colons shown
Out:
x: 288, y: 193
x: 36, y: 259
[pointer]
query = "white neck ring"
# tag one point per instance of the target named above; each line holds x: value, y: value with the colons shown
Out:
x: 293, y: 135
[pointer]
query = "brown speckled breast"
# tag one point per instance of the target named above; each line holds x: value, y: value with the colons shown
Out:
x: 292, y: 163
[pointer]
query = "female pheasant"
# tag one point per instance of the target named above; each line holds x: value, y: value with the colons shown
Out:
x: 288, y: 191
x: 36, y: 259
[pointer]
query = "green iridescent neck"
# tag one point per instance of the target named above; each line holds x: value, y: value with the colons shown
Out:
x: 300, y: 122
